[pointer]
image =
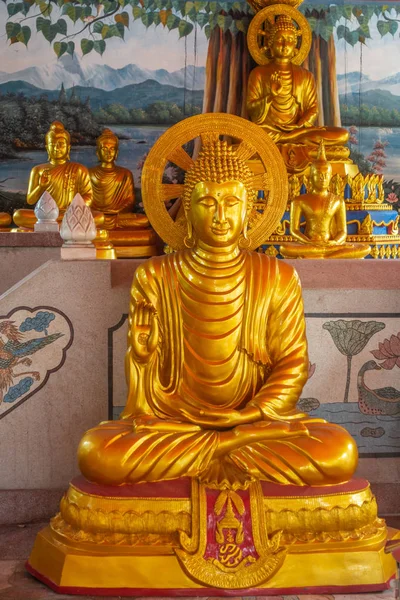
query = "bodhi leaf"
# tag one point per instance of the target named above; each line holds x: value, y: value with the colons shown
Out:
x: 173, y: 22
x: 383, y: 27
x: 70, y: 48
x: 224, y: 22
x: 62, y: 26
x: 98, y: 26
x: 137, y: 12
x: 12, y: 29
x: 122, y: 18
x: 60, y: 48
x: 73, y: 12
x: 202, y: 19
x: 184, y: 28
x: 86, y: 46
x: 13, y: 9
x: 24, y: 35
x: 147, y: 19
x: 49, y: 31
x: 99, y: 46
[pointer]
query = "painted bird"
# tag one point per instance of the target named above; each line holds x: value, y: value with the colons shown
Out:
x: 14, y: 352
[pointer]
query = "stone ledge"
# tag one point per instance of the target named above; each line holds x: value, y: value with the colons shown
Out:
x: 48, y: 239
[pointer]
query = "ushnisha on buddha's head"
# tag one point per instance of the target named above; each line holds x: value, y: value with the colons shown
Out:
x: 320, y: 171
x: 218, y: 197
x: 107, y: 147
x: 58, y: 143
x: 283, y: 38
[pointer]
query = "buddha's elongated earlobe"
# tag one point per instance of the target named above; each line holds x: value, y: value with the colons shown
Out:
x: 189, y: 240
x: 244, y: 241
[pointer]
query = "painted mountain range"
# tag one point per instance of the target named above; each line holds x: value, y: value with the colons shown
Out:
x: 72, y: 72
x: 136, y: 95
x: 351, y: 81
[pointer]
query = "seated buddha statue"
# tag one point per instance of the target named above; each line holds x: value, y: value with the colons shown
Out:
x: 212, y: 478
x: 113, y: 187
x: 114, y: 195
x: 325, y: 228
x: 60, y: 177
x: 217, y: 357
x: 282, y: 96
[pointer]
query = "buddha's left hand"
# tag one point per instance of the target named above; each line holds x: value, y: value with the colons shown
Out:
x: 222, y: 418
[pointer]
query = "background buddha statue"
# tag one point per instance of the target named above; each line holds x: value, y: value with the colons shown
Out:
x: 113, y: 187
x: 282, y: 96
x: 60, y: 177
x: 324, y: 214
x: 217, y: 353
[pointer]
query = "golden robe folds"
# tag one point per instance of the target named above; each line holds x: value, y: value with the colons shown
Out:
x: 256, y: 356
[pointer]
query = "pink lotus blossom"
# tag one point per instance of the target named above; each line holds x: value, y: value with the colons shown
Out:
x: 392, y: 198
x: 389, y: 352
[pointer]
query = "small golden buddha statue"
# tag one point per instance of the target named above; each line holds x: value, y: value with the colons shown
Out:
x: 113, y: 187
x: 212, y: 478
x: 324, y: 213
x: 60, y: 177
x: 114, y: 195
x: 282, y: 96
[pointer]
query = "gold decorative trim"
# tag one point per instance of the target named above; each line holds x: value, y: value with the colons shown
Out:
x: 255, y: 30
x: 253, y: 141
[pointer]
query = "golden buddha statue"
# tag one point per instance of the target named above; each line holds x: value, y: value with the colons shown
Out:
x: 216, y: 361
x: 282, y: 95
x: 113, y: 187
x: 212, y: 309
x: 60, y: 177
x: 114, y: 195
x: 324, y: 213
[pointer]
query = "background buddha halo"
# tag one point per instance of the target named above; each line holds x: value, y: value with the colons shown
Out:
x: 265, y: 16
x: 168, y: 147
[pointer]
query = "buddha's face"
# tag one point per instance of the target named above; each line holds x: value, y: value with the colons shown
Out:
x: 107, y: 151
x: 58, y: 148
x: 320, y: 176
x: 218, y: 212
x: 284, y: 44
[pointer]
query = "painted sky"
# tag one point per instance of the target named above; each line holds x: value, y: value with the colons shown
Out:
x: 157, y: 48
x: 154, y: 48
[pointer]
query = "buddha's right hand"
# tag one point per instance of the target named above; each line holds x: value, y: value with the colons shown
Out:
x: 144, y: 331
x: 44, y: 178
x: 276, y: 84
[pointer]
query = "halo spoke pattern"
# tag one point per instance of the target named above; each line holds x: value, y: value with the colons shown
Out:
x: 266, y: 16
x: 252, y: 141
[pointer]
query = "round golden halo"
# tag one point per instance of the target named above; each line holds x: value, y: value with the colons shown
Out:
x: 252, y: 141
x: 253, y: 34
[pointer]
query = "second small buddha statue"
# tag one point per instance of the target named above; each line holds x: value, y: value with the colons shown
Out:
x: 114, y: 195
x: 324, y: 213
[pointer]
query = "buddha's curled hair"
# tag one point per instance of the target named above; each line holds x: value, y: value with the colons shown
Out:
x: 218, y: 162
x: 57, y: 129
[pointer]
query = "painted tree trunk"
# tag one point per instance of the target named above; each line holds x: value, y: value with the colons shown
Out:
x: 322, y: 64
x: 314, y: 65
x: 227, y: 69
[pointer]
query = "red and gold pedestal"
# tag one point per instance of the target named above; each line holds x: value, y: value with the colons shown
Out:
x: 184, y: 537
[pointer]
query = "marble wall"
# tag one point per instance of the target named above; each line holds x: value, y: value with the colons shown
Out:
x: 75, y: 315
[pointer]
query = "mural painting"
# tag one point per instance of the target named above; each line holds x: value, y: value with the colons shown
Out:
x: 140, y: 65
x: 33, y: 345
x: 354, y: 376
